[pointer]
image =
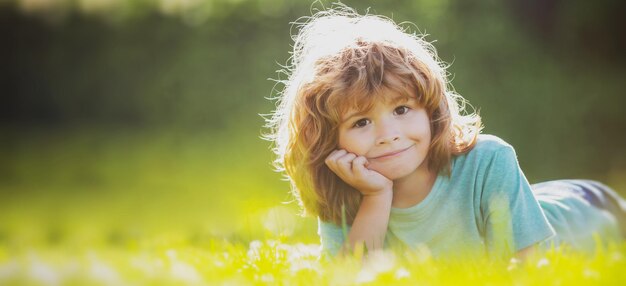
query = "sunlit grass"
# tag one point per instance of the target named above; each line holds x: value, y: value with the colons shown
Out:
x: 179, y: 207
x: 171, y: 260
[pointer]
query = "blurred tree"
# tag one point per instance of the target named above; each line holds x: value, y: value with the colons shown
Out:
x: 539, y: 71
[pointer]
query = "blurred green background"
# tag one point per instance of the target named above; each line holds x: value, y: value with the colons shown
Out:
x: 122, y: 119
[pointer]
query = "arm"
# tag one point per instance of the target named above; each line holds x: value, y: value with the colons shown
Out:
x: 524, y: 253
x: 370, y: 224
x: 514, y: 220
x: 521, y: 256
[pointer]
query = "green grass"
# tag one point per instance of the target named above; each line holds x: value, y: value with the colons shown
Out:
x: 115, y: 207
x: 176, y: 260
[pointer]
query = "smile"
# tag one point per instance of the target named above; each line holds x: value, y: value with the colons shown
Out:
x: 393, y: 154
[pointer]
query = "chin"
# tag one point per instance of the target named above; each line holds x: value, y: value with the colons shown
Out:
x: 396, y: 173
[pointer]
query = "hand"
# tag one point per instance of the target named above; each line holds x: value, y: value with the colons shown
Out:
x: 353, y: 170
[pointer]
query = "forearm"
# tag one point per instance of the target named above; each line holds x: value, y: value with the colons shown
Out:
x: 370, y: 224
x: 526, y: 252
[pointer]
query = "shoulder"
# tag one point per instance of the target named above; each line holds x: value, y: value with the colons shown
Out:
x: 489, y: 147
x: 490, y: 155
x: 487, y: 143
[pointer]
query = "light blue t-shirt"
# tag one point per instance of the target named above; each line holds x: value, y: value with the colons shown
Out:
x: 486, y: 205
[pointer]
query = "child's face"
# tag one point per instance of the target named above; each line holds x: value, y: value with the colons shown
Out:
x: 394, y: 136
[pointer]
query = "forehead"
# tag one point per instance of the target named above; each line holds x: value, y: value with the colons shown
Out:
x: 362, y: 103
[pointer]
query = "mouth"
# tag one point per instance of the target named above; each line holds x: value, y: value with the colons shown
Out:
x: 392, y: 153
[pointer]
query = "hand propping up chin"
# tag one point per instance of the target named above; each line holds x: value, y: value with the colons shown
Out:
x: 353, y: 170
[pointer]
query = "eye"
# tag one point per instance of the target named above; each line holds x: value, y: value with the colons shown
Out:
x: 361, y: 123
x: 401, y: 110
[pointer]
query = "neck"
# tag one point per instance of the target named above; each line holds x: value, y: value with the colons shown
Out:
x: 414, y: 188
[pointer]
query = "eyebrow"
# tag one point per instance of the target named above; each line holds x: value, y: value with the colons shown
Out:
x: 352, y: 115
x: 400, y: 99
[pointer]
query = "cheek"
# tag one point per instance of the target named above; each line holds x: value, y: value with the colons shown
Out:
x: 352, y: 143
x: 424, y: 126
x: 428, y: 133
x: 345, y: 142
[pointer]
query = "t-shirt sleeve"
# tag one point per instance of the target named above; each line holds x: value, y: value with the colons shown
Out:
x: 332, y: 237
x: 512, y: 217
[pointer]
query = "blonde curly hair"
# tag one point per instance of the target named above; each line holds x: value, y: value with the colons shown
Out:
x: 342, y: 60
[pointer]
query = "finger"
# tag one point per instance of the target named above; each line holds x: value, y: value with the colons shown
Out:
x: 334, y: 165
x: 345, y: 162
x: 331, y: 159
x: 358, y: 165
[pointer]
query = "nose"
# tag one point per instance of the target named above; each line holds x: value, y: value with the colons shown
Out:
x: 387, y: 133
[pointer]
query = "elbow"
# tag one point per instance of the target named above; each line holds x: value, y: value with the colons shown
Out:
x: 526, y: 252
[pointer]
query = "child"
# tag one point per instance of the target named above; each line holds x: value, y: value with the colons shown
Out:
x: 376, y: 145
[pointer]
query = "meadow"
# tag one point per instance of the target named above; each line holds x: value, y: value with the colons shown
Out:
x: 111, y: 207
x: 130, y: 148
